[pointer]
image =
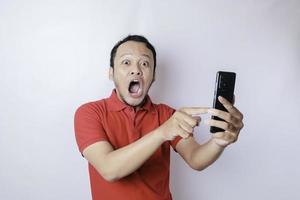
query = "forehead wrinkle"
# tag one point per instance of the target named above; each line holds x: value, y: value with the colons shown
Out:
x: 125, y: 54
x: 130, y: 54
x: 146, y: 55
x: 134, y: 48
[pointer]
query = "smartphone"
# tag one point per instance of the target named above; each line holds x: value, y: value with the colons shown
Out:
x: 224, y: 87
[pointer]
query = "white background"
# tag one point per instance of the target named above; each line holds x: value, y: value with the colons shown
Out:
x: 54, y: 56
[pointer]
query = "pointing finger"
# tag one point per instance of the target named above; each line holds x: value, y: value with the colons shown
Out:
x: 195, y: 110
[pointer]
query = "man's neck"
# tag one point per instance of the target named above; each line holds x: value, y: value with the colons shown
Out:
x: 137, y: 107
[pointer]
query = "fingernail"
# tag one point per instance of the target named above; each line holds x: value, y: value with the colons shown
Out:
x: 196, y: 117
x: 210, y: 111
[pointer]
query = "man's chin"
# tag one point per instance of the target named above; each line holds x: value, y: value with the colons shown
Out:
x: 135, y: 102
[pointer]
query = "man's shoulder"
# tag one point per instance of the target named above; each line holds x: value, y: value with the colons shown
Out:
x: 92, y: 107
x: 164, y: 108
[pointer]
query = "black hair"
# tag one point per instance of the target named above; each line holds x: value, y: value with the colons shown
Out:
x: 136, y: 38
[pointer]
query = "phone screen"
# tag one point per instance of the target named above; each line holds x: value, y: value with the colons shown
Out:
x: 225, y: 82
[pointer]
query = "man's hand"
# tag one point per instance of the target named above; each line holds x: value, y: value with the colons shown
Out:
x: 181, y: 123
x: 232, y: 125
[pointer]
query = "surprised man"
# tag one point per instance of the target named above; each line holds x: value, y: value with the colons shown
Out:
x: 126, y: 138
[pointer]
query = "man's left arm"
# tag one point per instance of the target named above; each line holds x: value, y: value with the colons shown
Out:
x: 199, y: 156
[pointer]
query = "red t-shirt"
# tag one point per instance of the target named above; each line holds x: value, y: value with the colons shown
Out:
x: 112, y: 120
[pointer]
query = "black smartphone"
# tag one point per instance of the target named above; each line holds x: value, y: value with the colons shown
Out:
x: 224, y: 87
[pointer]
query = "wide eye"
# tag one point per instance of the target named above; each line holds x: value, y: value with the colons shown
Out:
x: 126, y: 62
x: 145, y: 63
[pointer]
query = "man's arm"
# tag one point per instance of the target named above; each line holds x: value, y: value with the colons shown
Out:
x: 201, y: 156
x: 116, y: 164
x: 198, y: 156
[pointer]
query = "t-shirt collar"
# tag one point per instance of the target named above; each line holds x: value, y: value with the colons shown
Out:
x: 115, y: 104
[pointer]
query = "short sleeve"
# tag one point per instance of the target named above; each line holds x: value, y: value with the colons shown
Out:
x: 174, y: 142
x: 88, y: 126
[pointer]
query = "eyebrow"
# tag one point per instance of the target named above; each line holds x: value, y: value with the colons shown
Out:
x: 126, y: 54
x: 146, y: 55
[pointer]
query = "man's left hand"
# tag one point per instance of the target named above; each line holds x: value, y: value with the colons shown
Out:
x: 232, y: 125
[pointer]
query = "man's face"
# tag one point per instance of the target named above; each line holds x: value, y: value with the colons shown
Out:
x: 133, y: 72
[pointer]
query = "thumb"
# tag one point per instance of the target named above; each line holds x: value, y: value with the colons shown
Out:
x: 198, y: 118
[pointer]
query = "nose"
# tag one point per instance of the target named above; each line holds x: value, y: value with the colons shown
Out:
x: 136, y: 70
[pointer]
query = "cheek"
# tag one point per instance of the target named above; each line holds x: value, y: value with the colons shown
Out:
x: 148, y: 81
x: 120, y: 81
x: 150, y: 77
x: 120, y: 75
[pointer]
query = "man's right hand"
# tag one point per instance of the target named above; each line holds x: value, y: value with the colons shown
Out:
x: 182, y: 122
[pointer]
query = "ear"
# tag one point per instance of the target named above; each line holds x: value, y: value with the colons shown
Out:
x: 111, y: 73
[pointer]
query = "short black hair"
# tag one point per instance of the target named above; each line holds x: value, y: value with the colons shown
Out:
x: 136, y: 38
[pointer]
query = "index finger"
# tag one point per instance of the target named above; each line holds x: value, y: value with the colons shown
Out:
x: 233, y: 110
x: 195, y: 110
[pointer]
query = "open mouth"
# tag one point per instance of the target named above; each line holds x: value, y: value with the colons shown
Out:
x: 135, y: 88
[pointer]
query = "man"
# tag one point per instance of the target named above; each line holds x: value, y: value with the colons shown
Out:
x: 126, y: 138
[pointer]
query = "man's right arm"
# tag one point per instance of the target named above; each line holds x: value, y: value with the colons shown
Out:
x: 116, y: 164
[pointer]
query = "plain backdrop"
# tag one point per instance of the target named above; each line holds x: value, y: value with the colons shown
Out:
x: 54, y: 56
